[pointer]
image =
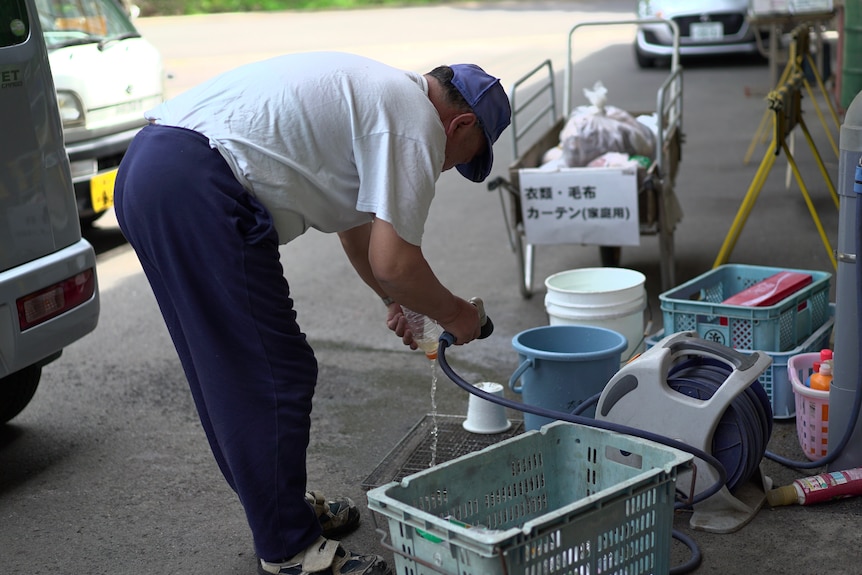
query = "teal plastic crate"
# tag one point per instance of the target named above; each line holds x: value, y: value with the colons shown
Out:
x: 775, y: 380
x: 566, y: 498
x: 696, y: 306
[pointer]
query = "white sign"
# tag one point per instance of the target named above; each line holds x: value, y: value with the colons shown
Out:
x: 596, y: 206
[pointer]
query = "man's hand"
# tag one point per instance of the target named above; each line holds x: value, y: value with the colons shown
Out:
x: 464, y: 325
x: 396, y: 321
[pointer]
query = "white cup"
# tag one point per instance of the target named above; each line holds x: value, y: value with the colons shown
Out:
x: 484, y: 416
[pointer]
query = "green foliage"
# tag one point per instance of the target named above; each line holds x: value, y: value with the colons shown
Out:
x: 181, y: 7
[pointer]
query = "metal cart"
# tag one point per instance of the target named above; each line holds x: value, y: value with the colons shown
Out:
x: 533, y: 99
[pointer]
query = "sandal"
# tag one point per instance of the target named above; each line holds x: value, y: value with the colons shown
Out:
x: 327, y: 557
x: 337, y: 516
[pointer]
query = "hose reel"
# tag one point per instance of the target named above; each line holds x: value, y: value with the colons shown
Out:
x: 708, y: 396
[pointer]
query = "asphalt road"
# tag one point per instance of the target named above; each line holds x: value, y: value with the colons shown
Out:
x: 108, y: 472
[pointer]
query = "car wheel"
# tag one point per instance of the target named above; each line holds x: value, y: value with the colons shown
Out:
x: 643, y: 60
x: 88, y: 221
x: 17, y: 390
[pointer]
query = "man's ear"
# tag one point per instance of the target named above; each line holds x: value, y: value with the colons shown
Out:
x: 465, y: 120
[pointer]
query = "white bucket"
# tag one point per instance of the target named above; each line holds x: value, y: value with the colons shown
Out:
x: 613, y: 298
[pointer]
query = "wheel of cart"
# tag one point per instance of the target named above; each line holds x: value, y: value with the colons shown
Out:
x: 533, y: 99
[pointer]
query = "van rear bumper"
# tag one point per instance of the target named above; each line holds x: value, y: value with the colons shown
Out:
x: 20, y: 349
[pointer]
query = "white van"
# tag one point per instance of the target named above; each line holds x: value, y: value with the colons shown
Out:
x: 106, y: 76
x: 48, y: 289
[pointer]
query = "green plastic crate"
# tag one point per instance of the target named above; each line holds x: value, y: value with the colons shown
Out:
x: 696, y: 306
x: 566, y: 498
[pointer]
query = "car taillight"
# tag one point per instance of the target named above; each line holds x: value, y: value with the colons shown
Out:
x: 51, y: 301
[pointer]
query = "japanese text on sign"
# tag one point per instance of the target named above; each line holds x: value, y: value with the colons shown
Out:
x: 580, y: 205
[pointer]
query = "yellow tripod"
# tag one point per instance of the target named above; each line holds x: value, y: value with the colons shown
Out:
x: 786, y: 106
x: 798, y: 53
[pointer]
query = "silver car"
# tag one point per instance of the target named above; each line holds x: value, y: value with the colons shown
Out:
x: 48, y: 287
x: 707, y: 28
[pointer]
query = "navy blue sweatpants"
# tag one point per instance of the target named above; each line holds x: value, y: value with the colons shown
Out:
x: 210, y: 253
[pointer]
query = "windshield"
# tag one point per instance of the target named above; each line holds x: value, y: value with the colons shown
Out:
x: 14, y: 24
x: 68, y: 22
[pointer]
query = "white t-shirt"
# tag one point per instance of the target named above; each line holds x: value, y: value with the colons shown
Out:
x: 324, y: 140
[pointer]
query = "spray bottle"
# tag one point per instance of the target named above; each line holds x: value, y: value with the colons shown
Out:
x: 818, y: 488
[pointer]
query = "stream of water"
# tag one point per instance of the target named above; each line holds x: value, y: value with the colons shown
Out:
x: 434, y: 428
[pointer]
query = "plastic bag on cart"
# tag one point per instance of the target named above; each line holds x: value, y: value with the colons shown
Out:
x: 621, y: 160
x: 593, y: 130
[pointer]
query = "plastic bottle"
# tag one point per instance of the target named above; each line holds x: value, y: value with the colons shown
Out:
x: 821, y: 380
x: 818, y: 488
x: 426, y: 332
x: 815, y: 368
x: 826, y: 357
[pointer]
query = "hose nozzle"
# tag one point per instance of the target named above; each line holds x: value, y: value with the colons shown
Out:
x: 484, y: 320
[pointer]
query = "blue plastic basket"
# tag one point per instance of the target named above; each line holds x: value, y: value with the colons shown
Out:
x: 696, y: 306
x: 775, y: 380
x: 563, y: 499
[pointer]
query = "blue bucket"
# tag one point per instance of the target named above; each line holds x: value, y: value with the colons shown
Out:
x: 561, y: 366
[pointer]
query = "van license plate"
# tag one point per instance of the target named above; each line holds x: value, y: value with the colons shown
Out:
x: 102, y: 190
x: 707, y: 31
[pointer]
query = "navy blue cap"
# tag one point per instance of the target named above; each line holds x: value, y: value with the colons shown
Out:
x: 489, y: 102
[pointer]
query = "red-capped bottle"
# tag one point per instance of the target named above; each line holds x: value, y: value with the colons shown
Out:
x: 821, y: 380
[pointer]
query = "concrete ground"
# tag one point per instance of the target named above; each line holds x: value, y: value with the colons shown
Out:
x: 108, y: 470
